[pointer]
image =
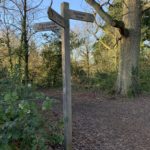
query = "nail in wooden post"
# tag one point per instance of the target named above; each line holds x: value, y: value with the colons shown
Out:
x: 67, y: 106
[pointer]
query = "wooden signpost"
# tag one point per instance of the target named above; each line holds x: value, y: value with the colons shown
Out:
x: 63, y: 21
x: 58, y: 19
x: 47, y: 26
x: 82, y: 16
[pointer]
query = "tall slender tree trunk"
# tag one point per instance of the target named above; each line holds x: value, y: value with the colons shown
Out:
x: 88, y: 62
x: 9, y: 51
x: 20, y: 54
x: 127, y: 82
x: 25, y: 43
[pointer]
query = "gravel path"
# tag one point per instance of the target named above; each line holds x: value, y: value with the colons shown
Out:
x: 108, y: 123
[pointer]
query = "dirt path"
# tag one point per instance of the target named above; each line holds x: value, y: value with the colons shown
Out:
x: 104, y: 123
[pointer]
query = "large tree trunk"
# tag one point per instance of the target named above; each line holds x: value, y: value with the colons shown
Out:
x: 127, y: 82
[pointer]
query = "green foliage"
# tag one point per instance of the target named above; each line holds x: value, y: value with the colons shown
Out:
x: 75, y: 41
x: 52, y: 59
x: 146, y: 25
x: 51, y: 55
x: 117, y: 7
x: 106, y: 49
x: 145, y: 80
x: 79, y: 76
x: 21, y: 124
x: 99, y: 81
x: 105, y: 81
x: 144, y: 72
x: 105, y: 59
x: 55, y: 137
x: 47, y: 104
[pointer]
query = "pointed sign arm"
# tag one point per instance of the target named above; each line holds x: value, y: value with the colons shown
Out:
x: 82, y: 16
x: 57, y: 18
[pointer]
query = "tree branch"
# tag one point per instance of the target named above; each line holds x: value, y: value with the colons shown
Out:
x: 108, y: 19
x: 17, y: 5
x: 103, y: 27
x: 35, y: 6
x: 145, y: 7
x: 100, y: 40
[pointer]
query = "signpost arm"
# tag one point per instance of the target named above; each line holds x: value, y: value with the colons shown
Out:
x: 67, y: 105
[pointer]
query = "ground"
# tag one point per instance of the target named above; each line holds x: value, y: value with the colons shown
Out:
x: 103, y: 122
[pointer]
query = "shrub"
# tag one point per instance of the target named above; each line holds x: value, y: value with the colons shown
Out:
x: 21, y: 124
x: 145, y: 80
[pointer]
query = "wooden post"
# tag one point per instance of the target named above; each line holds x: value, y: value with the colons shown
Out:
x: 67, y: 106
x: 63, y: 21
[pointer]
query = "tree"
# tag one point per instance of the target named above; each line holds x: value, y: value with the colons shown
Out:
x: 130, y: 30
x: 51, y: 56
x: 21, y: 17
x: 105, y: 54
x: 81, y: 47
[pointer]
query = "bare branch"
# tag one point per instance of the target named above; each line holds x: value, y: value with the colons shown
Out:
x: 17, y: 5
x: 145, y: 7
x: 105, y: 45
x: 106, y: 3
x: 103, y: 27
x: 108, y: 19
x: 35, y: 6
x: 9, y: 9
x: 96, y: 37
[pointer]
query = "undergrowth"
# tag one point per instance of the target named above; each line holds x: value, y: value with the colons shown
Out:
x: 22, y: 126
